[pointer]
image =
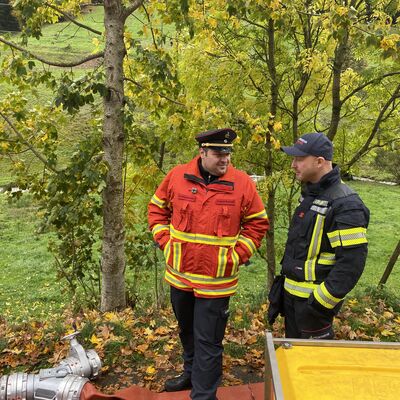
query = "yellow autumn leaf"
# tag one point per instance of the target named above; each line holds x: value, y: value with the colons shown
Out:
x: 277, y: 126
x: 95, y: 340
x: 397, y: 320
x: 352, y: 302
x: 111, y: 316
x: 387, y: 332
x: 4, y: 145
x: 150, y: 370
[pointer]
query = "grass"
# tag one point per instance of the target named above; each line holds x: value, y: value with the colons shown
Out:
x: 29, y: 286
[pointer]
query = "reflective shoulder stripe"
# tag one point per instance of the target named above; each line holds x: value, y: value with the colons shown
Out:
x: 203, y: 239
x: 261, y: 214
x: 158, y: 228
x: 319, y: 210
x: 322, y: 203
x: 167, y: 250
x: 300, y: 289
x: 323, y: 297
x: 248, y: 243
x: 158, y: 202
x: 348, y: 237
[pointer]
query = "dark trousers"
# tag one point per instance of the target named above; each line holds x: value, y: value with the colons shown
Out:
x: 202, y: 323
x: 304, y: 321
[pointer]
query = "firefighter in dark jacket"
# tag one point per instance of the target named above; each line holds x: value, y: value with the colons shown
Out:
x: 326, y: 248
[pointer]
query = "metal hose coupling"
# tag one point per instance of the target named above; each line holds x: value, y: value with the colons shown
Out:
x: 63, y: 382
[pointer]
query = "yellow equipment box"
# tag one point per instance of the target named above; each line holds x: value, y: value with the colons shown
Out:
x: 306, y: 369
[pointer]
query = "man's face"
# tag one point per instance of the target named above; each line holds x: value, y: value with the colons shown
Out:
x: 307, y: 168
x: 215, y: 162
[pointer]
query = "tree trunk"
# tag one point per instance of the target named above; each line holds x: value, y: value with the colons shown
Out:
x: 338, y: 63
x: 389, y: 267
x: 113, y: 254
x: 268, y: 167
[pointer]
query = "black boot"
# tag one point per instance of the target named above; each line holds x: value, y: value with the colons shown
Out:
x: 180, y: 382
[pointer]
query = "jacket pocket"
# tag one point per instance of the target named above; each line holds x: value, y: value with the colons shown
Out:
x: 222, y: 223
x: 182, y: 217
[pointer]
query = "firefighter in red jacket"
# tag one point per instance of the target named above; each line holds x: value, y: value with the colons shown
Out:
x: 208, y: 219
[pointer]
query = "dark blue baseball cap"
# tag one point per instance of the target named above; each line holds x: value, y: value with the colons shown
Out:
x: 311, y: 144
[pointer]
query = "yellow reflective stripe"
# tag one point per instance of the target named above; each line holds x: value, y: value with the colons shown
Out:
x: 157, y: 201
x: 235, y: 261
x: 158, y: 228
x: 173, y: 281
x: 167, y: 250
x: 217, y: 292
x: 353, y: 236
x: 222, y: 260
x: 176, y: 263
x: 203, y: 239
x: 202, y: 279
x: 300, y: 289
x: 261, y: 214
x: 348, y: 237
x: 248, y: 243
x: 323, y: 297
x: 327, y: 259
x: 334, y: 238
x: 313, y: 250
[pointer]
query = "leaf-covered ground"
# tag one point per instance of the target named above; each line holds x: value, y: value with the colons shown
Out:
x: 145, y: 350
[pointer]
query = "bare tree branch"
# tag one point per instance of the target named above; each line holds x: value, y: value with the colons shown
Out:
x: 357, y: 89
x: 133, y: 7
x: 26, y: 143
x: 378, y: 121
x: 53, y: 63
x: 73, y: 20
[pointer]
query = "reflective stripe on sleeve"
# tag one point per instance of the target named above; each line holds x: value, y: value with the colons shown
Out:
x: 261, y: 214
x: 158, y: 228
x: 348, y: 237
x: 236, y: 261
x: 323, y: 297
x: 327, y: 259
x: 167, y: 250
x: 248, y: 243
x: 158, y: 202
x: 300, y: 289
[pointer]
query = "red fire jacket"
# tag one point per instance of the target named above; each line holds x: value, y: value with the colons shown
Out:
x: 206, y: 231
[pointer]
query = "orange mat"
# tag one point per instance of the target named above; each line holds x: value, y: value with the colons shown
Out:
x: 252, y: 391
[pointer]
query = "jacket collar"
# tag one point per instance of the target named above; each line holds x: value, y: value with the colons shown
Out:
x: 192, y: 173
x: 331, y: 178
